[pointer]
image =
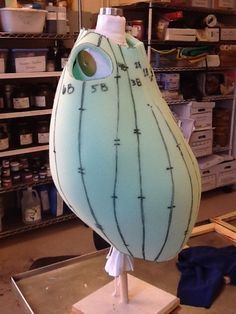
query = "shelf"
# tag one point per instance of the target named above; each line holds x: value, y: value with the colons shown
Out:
x: 190, y: 69
x: 6, y: 76
x: 206, y: 98
x: 22, y: 186
x: 51, y: 36
x: 20, y: 227
x: 172, y: 7
x: 221, y: 149
x: 218, y: 97
x: 22, y: 114
x: 21, y: 151
x: 178, y: 43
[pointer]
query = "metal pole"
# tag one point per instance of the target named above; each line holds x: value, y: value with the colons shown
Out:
x: 149, y: 30
x: 80, y: 22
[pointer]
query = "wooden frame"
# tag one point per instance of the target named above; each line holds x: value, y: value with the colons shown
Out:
x: 223, y: 225
x: 220, y: 224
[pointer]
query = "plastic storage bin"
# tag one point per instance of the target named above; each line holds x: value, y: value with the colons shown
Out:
x: 29, y: 60
x: 22, y: 20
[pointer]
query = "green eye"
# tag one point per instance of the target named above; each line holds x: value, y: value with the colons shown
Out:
x: 91, y: 63
x: 87, y: 63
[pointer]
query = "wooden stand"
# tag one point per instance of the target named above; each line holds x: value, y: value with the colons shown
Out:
x: 143, y: 298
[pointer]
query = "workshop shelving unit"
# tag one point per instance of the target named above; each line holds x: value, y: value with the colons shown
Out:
x: 11, y: 221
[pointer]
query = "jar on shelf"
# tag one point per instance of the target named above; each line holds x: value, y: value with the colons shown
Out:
x: 137, y: 29
x: 42, y: 132
x: 4, y: 139
x: 43, y: 96
x: 25, y: 134
x: 35, y: 163
x: 35, y: 176
x: 15, y: 166
x: 27, y: 176
x: 6, y: 181
x: 21, y: 99
x: 6, y: 167
x: 16, y: 177
x: 24, y: 163
x: 42, y: 173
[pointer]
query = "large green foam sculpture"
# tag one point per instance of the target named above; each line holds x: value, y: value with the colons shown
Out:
x: 118, y: 158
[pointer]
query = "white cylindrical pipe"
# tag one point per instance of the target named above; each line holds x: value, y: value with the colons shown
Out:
x: 111, y: 24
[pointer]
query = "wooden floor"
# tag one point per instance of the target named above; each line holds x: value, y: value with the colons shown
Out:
x: 216, y: 203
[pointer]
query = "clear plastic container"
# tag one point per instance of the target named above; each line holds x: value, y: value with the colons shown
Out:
x: 61, y: 19
x: 22, y: 20
x: 51, y: 20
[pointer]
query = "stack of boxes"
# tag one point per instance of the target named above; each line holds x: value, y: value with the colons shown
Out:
x: 216, y: 170
x: 201, y: 139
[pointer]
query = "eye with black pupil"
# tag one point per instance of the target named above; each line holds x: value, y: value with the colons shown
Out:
x: 87, y: 63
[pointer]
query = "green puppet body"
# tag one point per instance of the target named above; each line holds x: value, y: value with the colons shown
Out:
x: 118, y: 158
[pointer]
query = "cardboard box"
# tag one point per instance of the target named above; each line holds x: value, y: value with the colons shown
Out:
x: 226, y: 173
x: 209, y: 178
x: 227, y: 55
x: 228, y: 33
x: 201, y: 142
x: 210, y: 161
x: 29, y: 60
x: 212, y: 34
x: 201, y: 3
x: 200, y: 112
x: 180, y: 2
x: 224, y: 4
x: 180, y: 34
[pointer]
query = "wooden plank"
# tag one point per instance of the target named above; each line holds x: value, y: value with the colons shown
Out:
x: 226, y: 232
x: 224, y: 222
x: 203, y: 229
x: 227, y: 217
x: 226, y: 225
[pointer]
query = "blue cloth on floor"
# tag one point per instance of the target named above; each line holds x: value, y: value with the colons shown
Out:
x: 202, y: 273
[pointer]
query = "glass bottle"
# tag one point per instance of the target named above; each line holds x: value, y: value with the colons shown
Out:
x: 4, y: 139
x: 62, y: 57
x: 21, y: 99
x: 25, y: 135
x: 42, y: 131
x: 2, y: 102
x: 8, y: 91
x: 43, y: 96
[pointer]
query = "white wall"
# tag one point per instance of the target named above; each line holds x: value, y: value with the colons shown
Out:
x: 93, y: 6
x: 89, y: 9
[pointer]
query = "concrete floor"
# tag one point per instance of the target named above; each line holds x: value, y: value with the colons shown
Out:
x: 72, y: 238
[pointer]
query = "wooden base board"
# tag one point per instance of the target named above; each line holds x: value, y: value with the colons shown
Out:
x: 143, y: 298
